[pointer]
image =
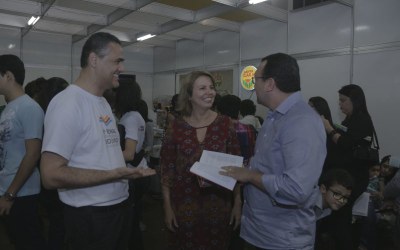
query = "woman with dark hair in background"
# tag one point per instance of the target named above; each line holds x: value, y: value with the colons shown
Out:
x: 321, y: 106
x: 132, y: 133
x: 357, y: 129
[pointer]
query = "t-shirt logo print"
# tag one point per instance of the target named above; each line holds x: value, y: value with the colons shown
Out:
x: 105, y: 119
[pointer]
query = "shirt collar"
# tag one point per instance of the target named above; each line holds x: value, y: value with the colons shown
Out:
x: 288, y: 102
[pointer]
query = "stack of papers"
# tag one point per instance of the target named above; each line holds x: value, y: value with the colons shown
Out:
x: 211, y: 163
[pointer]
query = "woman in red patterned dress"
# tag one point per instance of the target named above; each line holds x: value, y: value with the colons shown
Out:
x: 197, y: 217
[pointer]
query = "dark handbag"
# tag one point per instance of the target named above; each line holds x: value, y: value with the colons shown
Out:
x: 368, y: 152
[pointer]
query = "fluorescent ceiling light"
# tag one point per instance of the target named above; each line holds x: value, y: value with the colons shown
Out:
x: 33, y: 20
x: 142, y: 38
x: 256, y: 1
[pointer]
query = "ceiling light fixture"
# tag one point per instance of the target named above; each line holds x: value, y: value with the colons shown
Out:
x: 142, y: 38
x: 33, y: 20
x: 256, y: 1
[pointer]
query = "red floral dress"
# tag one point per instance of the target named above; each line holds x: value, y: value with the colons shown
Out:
x: 202, y: 213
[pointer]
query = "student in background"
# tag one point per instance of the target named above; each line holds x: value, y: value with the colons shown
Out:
x: 21, y: 129
x: 248, y: 111
x: 132, y: 134
x: 229, y: 105
x: 335, y: 187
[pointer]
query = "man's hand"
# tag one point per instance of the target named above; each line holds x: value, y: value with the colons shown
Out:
x: 244, y: 175
x: 5, y: 206
x: 241, y: 174
x: 134, y: 173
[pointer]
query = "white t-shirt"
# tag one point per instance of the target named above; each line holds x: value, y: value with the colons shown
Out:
x: 251, y: 120
x: 135, y: 130
x: 81, y: 128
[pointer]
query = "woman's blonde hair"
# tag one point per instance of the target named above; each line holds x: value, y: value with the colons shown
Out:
x: 184, y: 105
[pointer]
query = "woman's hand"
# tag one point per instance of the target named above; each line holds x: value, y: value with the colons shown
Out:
x: 170, y: 219
x: 236, y: 214
x: 327, y: 124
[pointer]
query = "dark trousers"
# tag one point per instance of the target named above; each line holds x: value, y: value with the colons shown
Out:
x: 98, y: 228
x: 24, y: 225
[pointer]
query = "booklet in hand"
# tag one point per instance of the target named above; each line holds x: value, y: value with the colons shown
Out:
x: 211, y: 164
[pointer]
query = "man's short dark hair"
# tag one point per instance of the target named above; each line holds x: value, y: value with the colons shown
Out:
x: 337, y: 176
x: 13, y: 64
x: 97, y: 43
x: 229, y: 105
x: 284, y: 70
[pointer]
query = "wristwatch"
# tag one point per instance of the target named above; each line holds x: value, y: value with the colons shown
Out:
x: 9, y: 196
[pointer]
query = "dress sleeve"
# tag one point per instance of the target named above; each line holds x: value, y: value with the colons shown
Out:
x: 168, y: 156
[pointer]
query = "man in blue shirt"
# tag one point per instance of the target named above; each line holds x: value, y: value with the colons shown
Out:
x: 21, y: 128
x: 281, y: 184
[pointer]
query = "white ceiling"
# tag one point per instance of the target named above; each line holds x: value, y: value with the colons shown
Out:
x: 170, y: 20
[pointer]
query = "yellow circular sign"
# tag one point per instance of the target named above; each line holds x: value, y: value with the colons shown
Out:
x: 246, y: 78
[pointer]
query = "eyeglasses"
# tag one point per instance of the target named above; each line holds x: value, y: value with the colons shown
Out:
x: 253, y: 79
x: 339, y: 197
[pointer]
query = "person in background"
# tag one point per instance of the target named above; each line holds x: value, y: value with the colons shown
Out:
x: 132, y: 132
x: 335, y: 187
x: 82, y: 156
x: 198, y: 214
x: 229, y: 105
x: 387, y: 171
x: 143, y: 109
x: 320, y: 105
x: 391, y: 196
x: 248, y: 111
x: 356, y: 129
x: 280, y: 186
x: 49, y: 198
x: 34, y: 87
x: 21, y: 129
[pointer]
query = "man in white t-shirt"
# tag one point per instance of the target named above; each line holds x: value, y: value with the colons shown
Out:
x: 81, y: 154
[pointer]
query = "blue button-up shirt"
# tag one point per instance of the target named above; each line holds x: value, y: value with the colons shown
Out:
x: 290, y: 151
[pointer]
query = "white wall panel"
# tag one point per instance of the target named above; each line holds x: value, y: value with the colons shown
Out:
x: 221, y: 47
x: 258, y: 39
x: 9, y: 41
x: 164, y: 59
x: 324, y: 77
x: 40, y: 48
x: 379, y: 76
x: 377, y: 21
x: 189, y: 54
x: 322, y: 28
x: 139, y: 60
x: 164, y: 84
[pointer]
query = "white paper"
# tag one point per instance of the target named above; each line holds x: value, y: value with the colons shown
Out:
x: 360, y: 207
x: 211, y: 163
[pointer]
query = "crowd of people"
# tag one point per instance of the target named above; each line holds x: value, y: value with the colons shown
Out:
x: 296, y: 189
